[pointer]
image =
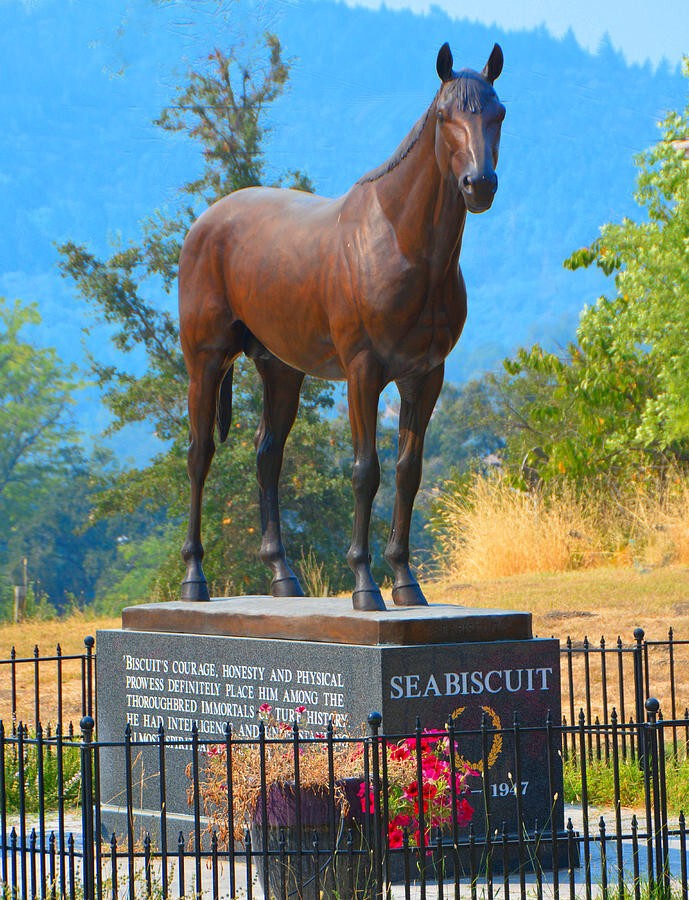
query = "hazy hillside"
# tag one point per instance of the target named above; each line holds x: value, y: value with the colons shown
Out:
x: 79, y: 158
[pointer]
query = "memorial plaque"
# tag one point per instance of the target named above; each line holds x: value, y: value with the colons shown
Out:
x: 150, y: 679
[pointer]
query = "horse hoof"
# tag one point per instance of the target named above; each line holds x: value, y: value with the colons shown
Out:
x: 408, y: 595
x: 195, y: 590
x: 368, y: 601
x: 286, y: 587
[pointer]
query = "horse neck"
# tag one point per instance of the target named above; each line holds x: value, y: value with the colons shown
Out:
x: 424, y: 208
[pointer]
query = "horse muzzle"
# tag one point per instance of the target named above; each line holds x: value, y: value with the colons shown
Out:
x: 478, y: 190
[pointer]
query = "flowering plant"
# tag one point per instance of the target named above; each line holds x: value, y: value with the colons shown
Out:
x: 324, y: 767
x: 279, y: 756
x: 437, y: 800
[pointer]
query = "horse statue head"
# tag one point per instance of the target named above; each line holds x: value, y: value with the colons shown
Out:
x: 468, y: 122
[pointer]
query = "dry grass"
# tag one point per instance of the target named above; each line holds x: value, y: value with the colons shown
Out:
x: 493, y: 530
x: 489, y: 529
x: 608, y: 601
x: 314, y: 578
x: 69, y: 634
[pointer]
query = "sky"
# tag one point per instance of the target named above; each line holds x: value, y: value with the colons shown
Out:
x: 642, y: 30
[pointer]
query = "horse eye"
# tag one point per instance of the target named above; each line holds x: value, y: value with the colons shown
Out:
x: 441, y: 115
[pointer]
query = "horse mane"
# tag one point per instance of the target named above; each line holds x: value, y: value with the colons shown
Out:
x: 471, y: 92
x: 402, y: 151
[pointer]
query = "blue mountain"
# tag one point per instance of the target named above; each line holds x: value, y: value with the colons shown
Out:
x: 80, y: 158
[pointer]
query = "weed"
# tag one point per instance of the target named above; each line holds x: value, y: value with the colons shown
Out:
x: 313, y: 575
x: 71, y: 775
x: 601, y: 786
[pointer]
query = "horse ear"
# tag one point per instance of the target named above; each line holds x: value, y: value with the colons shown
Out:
x: 443, y: 64
x: 493, y: 67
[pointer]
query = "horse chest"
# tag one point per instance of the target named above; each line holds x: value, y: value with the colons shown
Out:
x: 419, y: 314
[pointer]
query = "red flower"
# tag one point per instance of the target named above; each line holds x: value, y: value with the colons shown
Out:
x: 400, y: 752
x: 433, y: 768
x: 465, y: 812
x: 401, y: 821
x: 396, y: 830
x: 411, y: 792
x: 427, y: 744
x: 428, y: 790
x: 395, y: 838
x: 367, y: 803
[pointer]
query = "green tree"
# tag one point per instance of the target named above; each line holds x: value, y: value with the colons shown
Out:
x: 223, y: 107
x: 35, y: 402
x: 617, y: 397
x: 464, y: 430
x: 46, y: 482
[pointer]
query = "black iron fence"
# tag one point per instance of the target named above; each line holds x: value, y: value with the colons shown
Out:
x: 597, y: 677
x: 343, y: 839
x: 72, y: 686
x: 622, y: 829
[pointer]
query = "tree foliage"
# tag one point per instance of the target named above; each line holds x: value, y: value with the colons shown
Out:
x: 617, y: 396
x: 47, y: 485
x: 223, y: 107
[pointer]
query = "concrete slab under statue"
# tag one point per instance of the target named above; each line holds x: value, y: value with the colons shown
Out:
x: 179, y: 664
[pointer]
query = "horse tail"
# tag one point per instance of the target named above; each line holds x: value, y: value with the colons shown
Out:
x: 223, y: 410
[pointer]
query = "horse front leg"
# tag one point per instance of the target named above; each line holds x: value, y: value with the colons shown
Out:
x: 418, y: 398
x: 364, y: 384
x: 281, y: 387
x: 205, y: 375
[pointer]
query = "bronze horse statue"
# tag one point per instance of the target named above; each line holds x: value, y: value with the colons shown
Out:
x: 365, y: 288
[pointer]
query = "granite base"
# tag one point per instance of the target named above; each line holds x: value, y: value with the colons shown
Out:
x: 178, y: 665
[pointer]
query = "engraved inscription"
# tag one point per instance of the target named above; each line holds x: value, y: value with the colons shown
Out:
x: 180, y: 693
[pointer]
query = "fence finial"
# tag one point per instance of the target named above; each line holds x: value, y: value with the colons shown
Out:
x: 375, y: 720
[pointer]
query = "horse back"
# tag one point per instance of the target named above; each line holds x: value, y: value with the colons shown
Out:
x: 264, y: 257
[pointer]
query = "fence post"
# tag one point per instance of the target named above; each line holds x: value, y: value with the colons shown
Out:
x: 89, y: 642
x: 639, y: 695
x: 374, y: 722
x: 196, y: 783
x: 3, y: 805
x: 86, y: 749
x: 655, y: 758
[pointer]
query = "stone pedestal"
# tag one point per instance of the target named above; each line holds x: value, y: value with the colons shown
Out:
x: 179, y: 664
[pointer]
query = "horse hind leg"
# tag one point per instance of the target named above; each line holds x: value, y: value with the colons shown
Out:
x: 206, y: 372
x: 281, y: 387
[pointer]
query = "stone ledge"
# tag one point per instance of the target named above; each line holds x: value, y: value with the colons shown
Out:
x: 329, y: 620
